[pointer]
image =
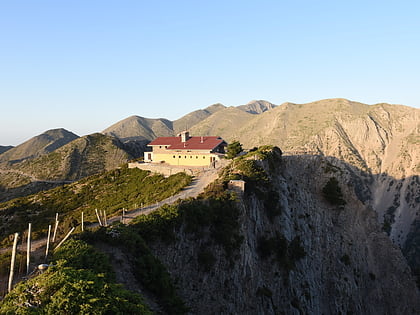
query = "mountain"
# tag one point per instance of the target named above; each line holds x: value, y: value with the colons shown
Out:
x: 257, y: 107
x: 140, y: 128
x: 222, y: 122
x: 297, y: 239
x: 382, y: 139
x: 82, y: 157
x: 39, y: 145
x: 191, y: 119
x: 283, y: 245
x: 5, y: 148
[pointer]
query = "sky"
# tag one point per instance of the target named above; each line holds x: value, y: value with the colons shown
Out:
x: 85, y: 65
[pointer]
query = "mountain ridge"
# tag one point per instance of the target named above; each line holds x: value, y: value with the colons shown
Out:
x: 44, y: 143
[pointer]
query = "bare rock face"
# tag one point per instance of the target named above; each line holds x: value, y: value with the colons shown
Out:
x: 299, y: 254
x: 257, y: 107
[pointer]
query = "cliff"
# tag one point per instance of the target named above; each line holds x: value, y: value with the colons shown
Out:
x: 286, y: 249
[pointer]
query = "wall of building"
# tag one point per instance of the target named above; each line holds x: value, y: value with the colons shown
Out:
x: 185, y: 158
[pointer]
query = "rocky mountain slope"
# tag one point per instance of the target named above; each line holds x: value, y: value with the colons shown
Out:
x: 38, y: 145
x: 382, y: 139
x: 257, y: 107
x: 140, y: 128
x: 189, y: 120
x: 5, y: 148
x: 283, y: 247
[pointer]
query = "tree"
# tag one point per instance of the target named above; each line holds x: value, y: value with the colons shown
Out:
x: 233, y: 149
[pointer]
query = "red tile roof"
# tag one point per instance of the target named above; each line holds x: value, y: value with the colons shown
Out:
x: 193, y: 143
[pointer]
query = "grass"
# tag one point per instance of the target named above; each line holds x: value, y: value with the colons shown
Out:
x: 110, y: 191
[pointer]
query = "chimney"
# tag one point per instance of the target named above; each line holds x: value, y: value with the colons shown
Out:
x: 185, y: 135
x: 202, y: 139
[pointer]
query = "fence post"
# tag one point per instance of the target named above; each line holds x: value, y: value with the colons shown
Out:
x: 12, y: 263
x: 99, y: 219
x: 65, y: 238
x: 48, y: 242
x: 55, y: 227
x: 28, y: 249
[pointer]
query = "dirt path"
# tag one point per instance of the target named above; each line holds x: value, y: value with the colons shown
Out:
x: 197, y: 186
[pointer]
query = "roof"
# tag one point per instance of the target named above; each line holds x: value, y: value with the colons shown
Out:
x: 193, y: 143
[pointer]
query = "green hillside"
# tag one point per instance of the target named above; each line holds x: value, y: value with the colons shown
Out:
x: 110, y: 191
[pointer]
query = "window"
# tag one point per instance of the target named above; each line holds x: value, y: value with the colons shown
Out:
x: 174, y: 156
x: 196, y: 156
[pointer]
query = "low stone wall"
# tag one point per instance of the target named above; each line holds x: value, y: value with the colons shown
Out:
x: 167, y: 170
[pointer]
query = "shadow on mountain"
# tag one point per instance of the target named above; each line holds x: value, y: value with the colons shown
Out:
x: 395, y: 202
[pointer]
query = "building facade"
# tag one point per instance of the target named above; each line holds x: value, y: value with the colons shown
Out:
x: 184, y: 150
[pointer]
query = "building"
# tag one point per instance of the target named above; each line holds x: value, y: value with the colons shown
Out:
x: 185, y: 150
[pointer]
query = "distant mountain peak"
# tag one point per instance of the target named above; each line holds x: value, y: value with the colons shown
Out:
x: 257, y: 107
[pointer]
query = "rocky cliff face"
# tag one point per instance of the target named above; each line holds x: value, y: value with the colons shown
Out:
x: 298, y: 254
x: 382, y: 140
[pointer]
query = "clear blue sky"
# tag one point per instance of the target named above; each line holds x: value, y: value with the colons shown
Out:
x: 84, y: 65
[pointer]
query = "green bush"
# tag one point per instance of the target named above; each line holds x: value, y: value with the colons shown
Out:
x: 233, y: 149
x: 66, y: 290
x: 80, y: 281
x: 148, y: 270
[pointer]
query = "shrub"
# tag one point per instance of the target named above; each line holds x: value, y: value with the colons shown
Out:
x: 332, y: 192
x: 233, y: 149
x: 284, y: 253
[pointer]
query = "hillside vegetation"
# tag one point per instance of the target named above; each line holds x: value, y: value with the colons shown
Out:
x: 110, y: 191
x: 80, y: 280
x: 75, y: 160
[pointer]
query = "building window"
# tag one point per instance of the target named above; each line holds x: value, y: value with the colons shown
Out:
x: 204, y: 157
x: 179, y: 157
x: 174, y: 156
x: 185, y: 156
x: 160, y: 147
x: 196, y: 156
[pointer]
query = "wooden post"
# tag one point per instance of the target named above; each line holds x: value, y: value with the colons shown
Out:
x: 123, y: 215
x: 48, y: 242
x: 55, y: 227
x: 104, y: 216
x: 83, y: 226
x: 99, y: 219
x: 55, y: 231
x: 28, y: 249
x: 65, y: 238
x: 12, y: 262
